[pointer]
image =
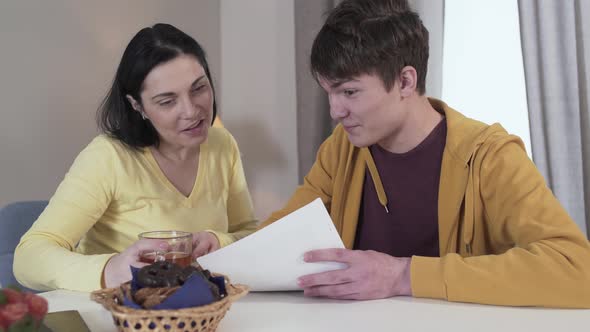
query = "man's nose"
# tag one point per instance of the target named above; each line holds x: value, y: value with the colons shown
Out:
x: 337, y: 111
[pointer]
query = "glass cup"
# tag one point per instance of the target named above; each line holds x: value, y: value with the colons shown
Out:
x: 171, y: 246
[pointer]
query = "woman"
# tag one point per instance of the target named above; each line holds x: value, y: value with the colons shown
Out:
x: 158, y: 165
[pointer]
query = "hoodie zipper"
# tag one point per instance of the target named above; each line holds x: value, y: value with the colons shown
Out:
x: 469, y: 218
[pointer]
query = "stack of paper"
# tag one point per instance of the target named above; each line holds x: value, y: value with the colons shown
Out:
x: 272, y: 258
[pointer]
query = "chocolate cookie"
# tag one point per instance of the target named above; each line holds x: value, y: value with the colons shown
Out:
x: 161, y: 274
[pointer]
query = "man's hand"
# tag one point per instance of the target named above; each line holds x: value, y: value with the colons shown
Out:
x: 204, y: 243
x: 370, y: 275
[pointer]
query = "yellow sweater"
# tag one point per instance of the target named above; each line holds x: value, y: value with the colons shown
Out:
x: 504, y: 238
x: 112, y: 193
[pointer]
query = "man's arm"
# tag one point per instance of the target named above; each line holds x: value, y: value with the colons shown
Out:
x: 548, y: 263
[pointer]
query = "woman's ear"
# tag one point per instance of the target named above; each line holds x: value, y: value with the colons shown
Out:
x: 136, y: 106
x: 408, y: 78
x: 133, y: 103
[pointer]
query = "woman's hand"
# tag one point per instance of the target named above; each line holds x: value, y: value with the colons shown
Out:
x: 117, y: 270
x: 203, y: 243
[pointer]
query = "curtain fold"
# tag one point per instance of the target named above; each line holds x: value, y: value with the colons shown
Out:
x: 314, y: 124
x: 556, y: 53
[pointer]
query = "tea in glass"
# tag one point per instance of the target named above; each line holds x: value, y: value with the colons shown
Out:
x: 178, y: 247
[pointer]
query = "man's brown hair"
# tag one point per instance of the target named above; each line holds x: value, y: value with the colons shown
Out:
x: 371, y: 37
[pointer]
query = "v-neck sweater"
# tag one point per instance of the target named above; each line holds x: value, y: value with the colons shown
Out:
x: 112, y: 193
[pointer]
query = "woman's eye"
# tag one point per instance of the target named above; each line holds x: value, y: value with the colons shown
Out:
x: 167, y: 102
x: 198, y: 88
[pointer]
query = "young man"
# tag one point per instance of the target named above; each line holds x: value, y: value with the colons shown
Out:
x: 428, y: 202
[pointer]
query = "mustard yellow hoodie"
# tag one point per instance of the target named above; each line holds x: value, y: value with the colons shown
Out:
x: 504, y: 238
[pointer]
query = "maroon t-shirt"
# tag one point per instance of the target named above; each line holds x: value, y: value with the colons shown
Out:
x: 411, y: 182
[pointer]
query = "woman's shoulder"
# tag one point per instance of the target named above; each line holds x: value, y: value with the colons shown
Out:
x: 108, y: 147
x: 221, y: 138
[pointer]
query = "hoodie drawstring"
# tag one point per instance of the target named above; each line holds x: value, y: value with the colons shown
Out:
x: 376, y: 181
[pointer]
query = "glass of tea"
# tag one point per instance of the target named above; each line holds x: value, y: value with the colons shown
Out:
x: 177, y: 248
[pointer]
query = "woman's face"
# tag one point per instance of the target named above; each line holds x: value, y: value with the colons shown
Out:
x: 178, y: 100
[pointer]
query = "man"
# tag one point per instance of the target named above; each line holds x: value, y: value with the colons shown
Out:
x: 428, y: 202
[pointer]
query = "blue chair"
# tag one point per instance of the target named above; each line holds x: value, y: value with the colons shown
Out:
x: 15, y: 219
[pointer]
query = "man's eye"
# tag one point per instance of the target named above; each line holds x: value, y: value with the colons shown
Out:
x: 349, y: 92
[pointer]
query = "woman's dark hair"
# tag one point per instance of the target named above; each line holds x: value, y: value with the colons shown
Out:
x: 149, y: 48
x: 371, y: 37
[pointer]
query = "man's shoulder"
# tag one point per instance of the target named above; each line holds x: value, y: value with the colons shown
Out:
x: 338, y: 139
x: 466, y: 135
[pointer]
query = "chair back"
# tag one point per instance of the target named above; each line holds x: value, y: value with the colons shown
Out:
x: 15, y: 220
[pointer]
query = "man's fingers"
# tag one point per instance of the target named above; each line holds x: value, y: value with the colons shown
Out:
x: 329, y: 255
x: 335, y: 277
x: 354, y: 296
x: 342, y: 291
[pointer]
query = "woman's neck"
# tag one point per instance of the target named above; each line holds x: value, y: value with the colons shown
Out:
x: 177, y: 154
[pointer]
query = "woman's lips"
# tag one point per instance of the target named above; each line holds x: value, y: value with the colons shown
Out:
x: 193, y: 126
x: 196, y: 129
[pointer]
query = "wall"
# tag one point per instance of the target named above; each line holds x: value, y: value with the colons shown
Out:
x: 258, y: 95
x: 58, y: 59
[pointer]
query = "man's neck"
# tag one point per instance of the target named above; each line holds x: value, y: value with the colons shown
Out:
x: 419, y: 123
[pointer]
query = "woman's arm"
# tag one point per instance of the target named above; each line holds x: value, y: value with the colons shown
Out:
x: 45, y: 258
x: 240, y: 211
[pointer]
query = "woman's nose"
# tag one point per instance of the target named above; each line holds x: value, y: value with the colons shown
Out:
x: 188, y: 108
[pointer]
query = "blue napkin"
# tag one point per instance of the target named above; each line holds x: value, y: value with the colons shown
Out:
x: 195, y: 292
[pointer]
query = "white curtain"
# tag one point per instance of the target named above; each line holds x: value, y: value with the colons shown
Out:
x: 555, y: 37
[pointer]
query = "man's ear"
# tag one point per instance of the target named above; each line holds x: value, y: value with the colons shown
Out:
x: 136, y: 106
x: 408, y: 79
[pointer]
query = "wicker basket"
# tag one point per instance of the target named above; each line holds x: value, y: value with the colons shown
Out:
x: 196, y: 319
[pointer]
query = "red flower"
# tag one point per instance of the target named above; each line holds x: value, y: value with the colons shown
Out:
x: 13, y: 312
x: 37, y: 305
x: 12, y: 296
x: 3, y: 323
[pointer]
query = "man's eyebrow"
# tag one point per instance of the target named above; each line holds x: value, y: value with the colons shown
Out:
x: 338, y: 83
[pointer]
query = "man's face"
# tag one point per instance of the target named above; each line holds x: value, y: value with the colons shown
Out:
x: 368, y: 112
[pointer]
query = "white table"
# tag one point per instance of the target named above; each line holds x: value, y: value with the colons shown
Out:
x: 292, y: 312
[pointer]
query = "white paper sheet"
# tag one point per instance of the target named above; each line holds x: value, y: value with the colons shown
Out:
x: 272, y: 258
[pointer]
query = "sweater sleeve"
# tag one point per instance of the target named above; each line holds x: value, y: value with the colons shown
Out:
x: 545, y: 259
x: 240, y: 210
x: 45, y: 258
x: 317, y: 183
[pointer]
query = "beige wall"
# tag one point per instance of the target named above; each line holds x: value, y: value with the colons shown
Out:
x: 258, y: 95
x: 59, y: 57
x: 57, y: 60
